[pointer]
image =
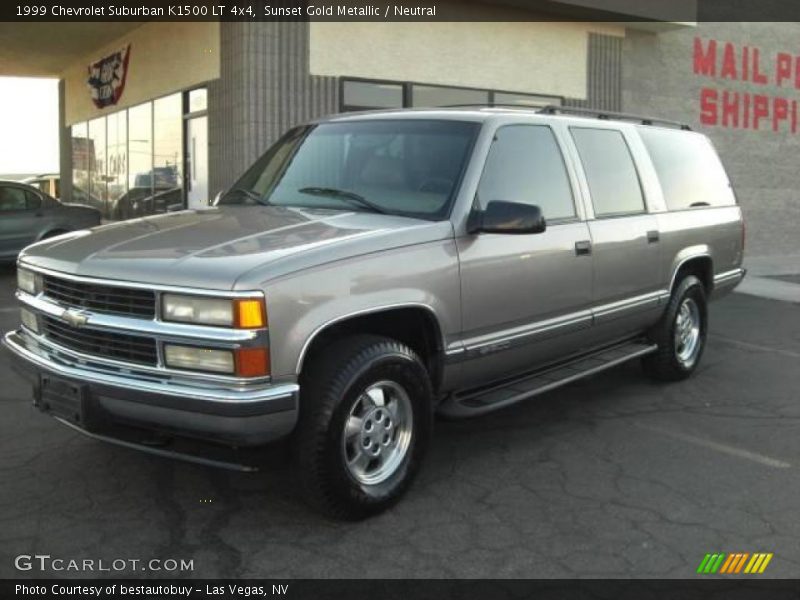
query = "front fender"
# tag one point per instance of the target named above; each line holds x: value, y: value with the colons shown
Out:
x: 302, y: 305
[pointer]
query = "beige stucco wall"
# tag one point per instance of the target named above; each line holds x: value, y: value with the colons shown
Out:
x: 165, y: 57
x: 534, y: 57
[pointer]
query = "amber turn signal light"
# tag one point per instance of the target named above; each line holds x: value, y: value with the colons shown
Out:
x: 250, y: 313
x: 252, y: 362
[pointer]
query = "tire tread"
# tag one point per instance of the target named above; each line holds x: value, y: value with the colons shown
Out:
x: 326, y: 380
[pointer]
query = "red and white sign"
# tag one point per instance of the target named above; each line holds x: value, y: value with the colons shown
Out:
x: 107, y: 76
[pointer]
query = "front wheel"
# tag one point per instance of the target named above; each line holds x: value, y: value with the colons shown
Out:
x: 365, y: 422
x: 680, y: 334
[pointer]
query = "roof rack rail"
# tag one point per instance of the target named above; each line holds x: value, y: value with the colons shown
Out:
x: 611, y: 116
x: 536, y: 108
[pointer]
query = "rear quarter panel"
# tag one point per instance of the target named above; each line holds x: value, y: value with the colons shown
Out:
x: 715, y: 232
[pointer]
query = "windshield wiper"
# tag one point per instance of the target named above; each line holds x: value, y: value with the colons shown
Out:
x: 344, y: 195
x: 252, y: 194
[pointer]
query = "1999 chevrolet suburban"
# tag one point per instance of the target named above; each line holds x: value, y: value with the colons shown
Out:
x: 374, y: 269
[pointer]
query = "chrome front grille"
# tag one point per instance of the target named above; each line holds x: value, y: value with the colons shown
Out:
x: 128, y: 302
x: 103, y: 344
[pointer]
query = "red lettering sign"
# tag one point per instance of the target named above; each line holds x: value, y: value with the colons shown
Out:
x: 705, y: 63
x: 743, y: 108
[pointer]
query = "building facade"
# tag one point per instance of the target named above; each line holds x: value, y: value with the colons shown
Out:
x: 201, y: 101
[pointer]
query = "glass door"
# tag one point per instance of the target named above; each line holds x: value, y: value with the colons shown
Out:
x: 197, y: 162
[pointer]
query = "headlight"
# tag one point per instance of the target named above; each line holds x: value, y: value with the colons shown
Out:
x: 244, y: 313
x: 28, y: 281
x: 199, y: 359
x: 197, y: 309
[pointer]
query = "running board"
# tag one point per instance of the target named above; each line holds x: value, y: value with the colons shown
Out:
x: 471, y: 404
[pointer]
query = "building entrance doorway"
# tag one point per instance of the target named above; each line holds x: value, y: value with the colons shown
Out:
x: 197, y: 162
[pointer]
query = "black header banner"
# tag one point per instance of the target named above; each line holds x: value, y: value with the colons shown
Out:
x: 683, y: 11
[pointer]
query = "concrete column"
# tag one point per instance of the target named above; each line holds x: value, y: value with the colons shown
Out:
x: 264, y: 88
x: 64, y: 147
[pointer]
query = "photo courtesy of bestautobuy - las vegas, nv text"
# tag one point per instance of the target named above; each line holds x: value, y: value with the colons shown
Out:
x: 472, y: 298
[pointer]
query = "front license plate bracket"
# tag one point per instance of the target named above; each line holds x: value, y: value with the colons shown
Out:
x: 63, y: 398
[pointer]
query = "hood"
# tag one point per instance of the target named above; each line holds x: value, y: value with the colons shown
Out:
x: 216, y: 248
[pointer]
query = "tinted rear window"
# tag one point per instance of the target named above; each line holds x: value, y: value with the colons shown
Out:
x: 688, y: 168
x: 610, y: 172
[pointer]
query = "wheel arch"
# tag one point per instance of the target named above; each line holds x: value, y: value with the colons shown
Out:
x: 695, y: 261
x: 413, y: 324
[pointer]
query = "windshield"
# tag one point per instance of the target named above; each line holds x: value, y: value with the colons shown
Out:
x: 408, y: 167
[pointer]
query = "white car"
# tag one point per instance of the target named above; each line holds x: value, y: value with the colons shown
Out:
x: 50, y: 184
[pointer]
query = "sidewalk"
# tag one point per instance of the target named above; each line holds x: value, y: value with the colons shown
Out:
x: 773, y: 277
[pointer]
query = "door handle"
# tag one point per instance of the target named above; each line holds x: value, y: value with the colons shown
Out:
x: 583, y: 248
x: 653, y: 236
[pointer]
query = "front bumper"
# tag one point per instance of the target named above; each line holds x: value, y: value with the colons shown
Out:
x: 233, y: 415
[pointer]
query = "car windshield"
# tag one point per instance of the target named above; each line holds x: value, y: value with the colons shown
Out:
x: 408, y: 167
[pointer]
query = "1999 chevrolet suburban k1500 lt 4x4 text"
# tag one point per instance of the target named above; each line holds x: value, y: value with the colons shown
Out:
x: 373, y: 269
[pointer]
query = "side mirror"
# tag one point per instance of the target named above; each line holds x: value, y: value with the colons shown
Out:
x: 507, y: 217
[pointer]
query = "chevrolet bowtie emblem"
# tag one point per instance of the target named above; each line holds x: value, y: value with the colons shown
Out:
x: 74, y: 318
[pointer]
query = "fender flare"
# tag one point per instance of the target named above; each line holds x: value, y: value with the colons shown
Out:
x: 369, y: 311
x: 685, y: 255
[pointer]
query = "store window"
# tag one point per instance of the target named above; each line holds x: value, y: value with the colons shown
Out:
x: 432, y: 95
x: 167, y: 173
x: 366, y: 95
x: 131, y: 163
x: 82, y: 156
x: 140, y: 163
x: 117, y: 151
x: 98, y: 187
x: 198, y: 100
x: 532, y: 100
x: 363, y: 95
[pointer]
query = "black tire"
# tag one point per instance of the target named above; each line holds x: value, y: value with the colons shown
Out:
x: 332, y: 387
x: 667, y: 364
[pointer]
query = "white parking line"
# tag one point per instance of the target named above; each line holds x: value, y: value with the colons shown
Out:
x: 724, y: 448
x: 751, y: 346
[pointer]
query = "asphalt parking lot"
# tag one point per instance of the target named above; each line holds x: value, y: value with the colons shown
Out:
x: 611, y: 477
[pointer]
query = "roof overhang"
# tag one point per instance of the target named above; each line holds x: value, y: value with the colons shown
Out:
x: 46, y: 49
